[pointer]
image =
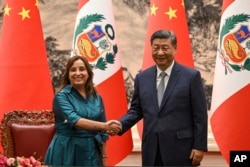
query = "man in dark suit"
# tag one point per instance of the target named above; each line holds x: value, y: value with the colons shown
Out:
x: 174, y: 131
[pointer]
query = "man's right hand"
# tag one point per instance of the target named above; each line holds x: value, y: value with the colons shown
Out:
x: 114, y: 127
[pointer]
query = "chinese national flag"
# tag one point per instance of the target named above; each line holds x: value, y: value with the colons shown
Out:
x: 96, y: 39
x: 24, y: 70
x: 168, y: 14
x: 230, y: 99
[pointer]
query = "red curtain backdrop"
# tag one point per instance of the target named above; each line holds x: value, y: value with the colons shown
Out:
x: 25, y: 76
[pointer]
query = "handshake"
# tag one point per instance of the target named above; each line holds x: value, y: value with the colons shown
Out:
x: 113, y: 127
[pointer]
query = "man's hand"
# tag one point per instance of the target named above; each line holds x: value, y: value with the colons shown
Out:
x: 114, y: 127
x: 196, y: 156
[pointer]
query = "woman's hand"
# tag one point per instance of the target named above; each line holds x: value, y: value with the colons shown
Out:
x: 113, y: 127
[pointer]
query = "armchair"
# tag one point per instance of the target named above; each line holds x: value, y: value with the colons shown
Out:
x: 27, y: 133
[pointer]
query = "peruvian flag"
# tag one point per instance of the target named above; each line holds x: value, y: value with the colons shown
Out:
x: 168, y: 14
x: 24, y: 70
x: 230, y: 99
x: 96, y: 39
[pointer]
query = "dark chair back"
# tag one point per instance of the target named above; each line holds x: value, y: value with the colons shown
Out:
x: 27, y: 133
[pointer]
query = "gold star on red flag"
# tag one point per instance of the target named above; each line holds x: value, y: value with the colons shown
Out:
x: 24, y: 13
x: 153, y: 9
x: 7, y: 10
x: 171, y: 13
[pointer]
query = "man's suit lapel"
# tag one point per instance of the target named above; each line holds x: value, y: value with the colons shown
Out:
x: 171, y: 83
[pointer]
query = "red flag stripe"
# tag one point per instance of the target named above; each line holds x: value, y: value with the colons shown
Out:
x: 233, y: 127
x: 226, y: 4
x: 81, y: 3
